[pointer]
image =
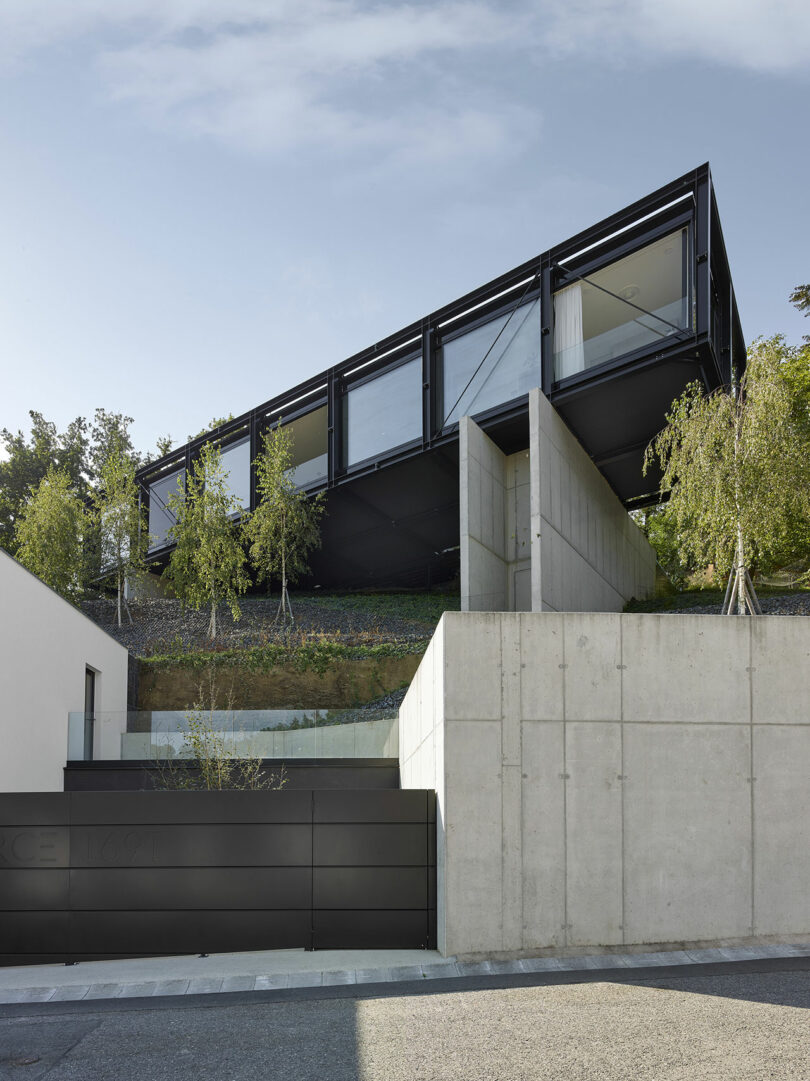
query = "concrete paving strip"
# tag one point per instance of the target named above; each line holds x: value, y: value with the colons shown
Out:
x: 328, y: 969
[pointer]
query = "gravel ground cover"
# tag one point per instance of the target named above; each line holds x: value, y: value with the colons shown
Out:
x: 162, y: 626
x: 710, y: 602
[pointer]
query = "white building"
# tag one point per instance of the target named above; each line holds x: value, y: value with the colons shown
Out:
x: 53, y: 660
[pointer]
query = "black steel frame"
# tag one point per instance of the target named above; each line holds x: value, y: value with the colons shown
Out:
x: 715, y: 341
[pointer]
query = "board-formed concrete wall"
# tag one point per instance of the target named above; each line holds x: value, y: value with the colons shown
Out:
x: 612, y: 780
x: 45, y: 647
x: 541, y: 529
x: 494, y: 508
x: 588, y: 555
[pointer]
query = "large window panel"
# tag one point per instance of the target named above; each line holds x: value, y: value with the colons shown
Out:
x: 160, y: 517
x: 236, y: 464
x: 310, y: 455
x: 637, y: 301
x: 492, y: 364
x: 383, y: 413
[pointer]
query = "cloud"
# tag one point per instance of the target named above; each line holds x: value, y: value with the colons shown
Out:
x: 760, y: 35
x: 407, y: 82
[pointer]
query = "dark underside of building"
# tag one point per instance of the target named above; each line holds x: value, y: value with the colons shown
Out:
x: 612, y: 325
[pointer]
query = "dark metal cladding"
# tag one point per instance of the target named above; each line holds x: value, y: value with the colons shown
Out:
x: 117, y: 776
x: 91, y: 875
x: 393, y: 519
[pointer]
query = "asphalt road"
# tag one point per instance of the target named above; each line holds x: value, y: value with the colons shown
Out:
x: 733, y: 1027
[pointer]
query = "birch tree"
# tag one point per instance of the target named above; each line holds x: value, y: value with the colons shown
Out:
x: 50, y: 534
x: 736, y: 466
x: 284, y: 527
x: 118, y: 520
x: 207, y: 566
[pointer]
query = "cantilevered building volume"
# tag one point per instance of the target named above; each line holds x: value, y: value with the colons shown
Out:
x: 435, y: 456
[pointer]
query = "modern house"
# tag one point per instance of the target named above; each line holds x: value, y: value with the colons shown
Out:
x: 609, y: 327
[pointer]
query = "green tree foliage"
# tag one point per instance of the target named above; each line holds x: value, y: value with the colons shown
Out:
x: 661, y: 531
x: 284, y: 528
x: 49, y: 534
x: 736, y: 465
x: 109, y: 437
x: 118, y: 521
x: 28, y: 460
x: 213, y: 424
x: 207, y: 565
x: 800, y: 298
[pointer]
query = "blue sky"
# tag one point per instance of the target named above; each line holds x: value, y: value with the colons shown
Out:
x: 206, y: 201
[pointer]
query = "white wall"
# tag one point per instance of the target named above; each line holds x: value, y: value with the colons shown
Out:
x: 587, y: 553
x: 45, y: 646
x: 613, y: 780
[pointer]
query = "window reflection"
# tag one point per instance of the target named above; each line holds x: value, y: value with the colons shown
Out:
x: 309, y: 448
x: 491, y: 364
x: 383, y: 413
x: 236, y: 465
x: 160, y: 517
x: 632, y: 303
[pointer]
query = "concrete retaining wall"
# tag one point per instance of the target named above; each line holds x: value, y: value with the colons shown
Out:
x: 612, y: 780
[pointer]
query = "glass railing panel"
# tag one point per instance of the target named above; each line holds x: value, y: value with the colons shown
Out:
x: 311, y: 472
x: 383, y: 413
x: 283, y: 734
x: 629, y: 305
x: 236, y: 466
x: 161, y: 518
x: 492, y: 364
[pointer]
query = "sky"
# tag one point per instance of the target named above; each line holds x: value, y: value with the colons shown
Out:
x: 205, y: 202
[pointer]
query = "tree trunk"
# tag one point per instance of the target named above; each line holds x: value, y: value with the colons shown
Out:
x: 212, y: 623
x: 119, y: 598
x: 741, y: 605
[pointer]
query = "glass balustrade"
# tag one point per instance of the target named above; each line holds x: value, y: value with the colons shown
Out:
x: 277, y: 733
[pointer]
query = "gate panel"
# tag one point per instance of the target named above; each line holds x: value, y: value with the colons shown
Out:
x: 89, y: 875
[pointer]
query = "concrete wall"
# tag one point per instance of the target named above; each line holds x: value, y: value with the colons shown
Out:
x: 587, y: 553
x: 541, y: 529
x: 45, y: 646
x: 614, y: 780
x: 494, y: 524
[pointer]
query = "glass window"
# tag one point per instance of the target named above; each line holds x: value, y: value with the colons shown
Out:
x: 309, y: 448
x: 491, y: 365
x: 634, y: 302
x: 383, y: 413
x: 236, y: 464
x: 160, y: 517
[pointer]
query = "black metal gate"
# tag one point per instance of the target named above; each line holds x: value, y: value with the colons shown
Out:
x: 92, y: 875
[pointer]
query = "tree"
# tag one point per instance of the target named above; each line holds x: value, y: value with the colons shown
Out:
x: 118, y: 519
x: 208, y: 563
x: 27, y: 462
x: 109, y: 436
x: 284, y: 527
x: 50, y: 532
x: 800, y: 298
x: 162, y: 448
x: 210, y: 743
x: 736, y: 465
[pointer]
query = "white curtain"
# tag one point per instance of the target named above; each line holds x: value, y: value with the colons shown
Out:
x: 569, y: 348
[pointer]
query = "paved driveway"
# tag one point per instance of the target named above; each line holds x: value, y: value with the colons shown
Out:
x: 730, y: 1026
